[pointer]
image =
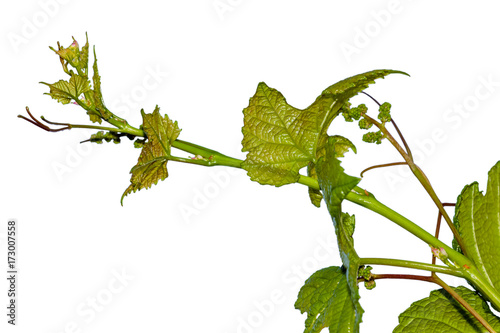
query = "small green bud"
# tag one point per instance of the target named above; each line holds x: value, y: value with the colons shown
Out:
x: 362, y: 108
x: 139, y: 143
x: 385, y: 112
x: 347, y: 117
x: 346, y: 112
x: 385, y: 107
x: 355, y: 113
x: 365, y: 272
x: 439, y: 253
x: 369, y: 285
x: 364, y: 124
x: 373, y: 137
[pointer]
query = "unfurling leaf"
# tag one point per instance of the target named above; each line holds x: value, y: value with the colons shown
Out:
x: 333, y: 182
x: 328, y: 302
x: 440, y: 312
x: 340, y: 146
x: 477, y: 218
x: 152, y: 164
x: 74, y: 57
x: 281, y: 139
x: 78, y: 88
x: 335, y: 185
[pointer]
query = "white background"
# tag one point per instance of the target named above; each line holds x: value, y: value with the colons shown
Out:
x: 236, y: 260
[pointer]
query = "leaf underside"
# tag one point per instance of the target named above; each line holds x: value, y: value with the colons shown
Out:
x: 477, y: 218
x: 440, y: 312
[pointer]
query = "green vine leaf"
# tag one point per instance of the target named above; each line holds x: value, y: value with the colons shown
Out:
x: 78, y: 88
x: 73, y: 56
x: 477, y: 218
x: 152, y: 164
x: 281, y: 139
x: 66, y: 91
x: 440, y: 312
x: 328, y: 302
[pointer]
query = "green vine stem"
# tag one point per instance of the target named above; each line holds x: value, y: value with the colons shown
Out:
x: 209, y: 157
x: 412, y: 264
x: 466, y: 266
x: 359, y: 196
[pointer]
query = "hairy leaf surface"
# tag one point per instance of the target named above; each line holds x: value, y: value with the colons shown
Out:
x: 152, y: 164
x: 281, y: 139
x: 327, y: 299
x: 477, y: 218
x: 442, y: 313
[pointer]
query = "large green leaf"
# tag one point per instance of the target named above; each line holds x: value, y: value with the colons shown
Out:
x: 281, y: 139
x: 442, y: 313
x: 328, y: 302
x: 152, y: 164
x: 477, y: 218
